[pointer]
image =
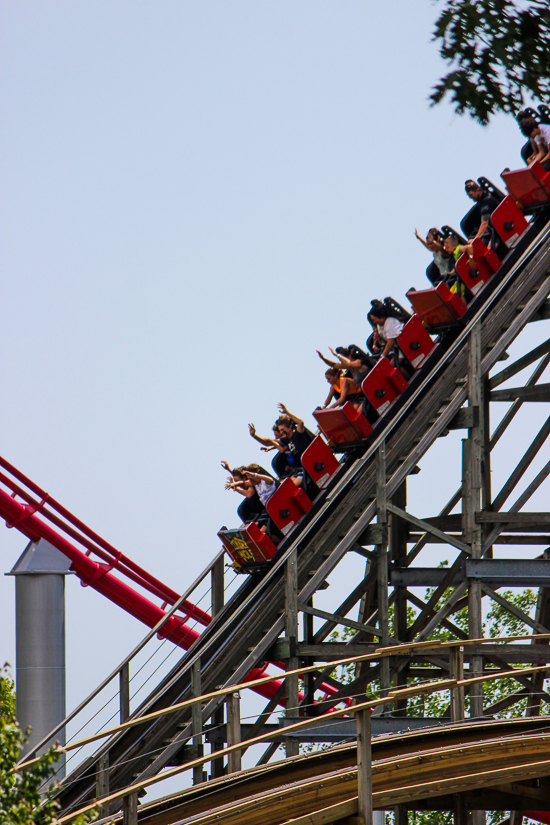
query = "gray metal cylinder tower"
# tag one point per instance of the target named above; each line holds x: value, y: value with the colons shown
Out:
x: 40, y: 643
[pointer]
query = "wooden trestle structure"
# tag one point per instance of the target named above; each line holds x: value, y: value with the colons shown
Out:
x: 272, y: 618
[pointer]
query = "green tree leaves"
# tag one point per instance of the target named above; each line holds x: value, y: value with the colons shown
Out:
x: 22, y: 797
x: 498, y: 53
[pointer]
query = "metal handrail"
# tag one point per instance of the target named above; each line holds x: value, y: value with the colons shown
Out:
x: 128, y: 658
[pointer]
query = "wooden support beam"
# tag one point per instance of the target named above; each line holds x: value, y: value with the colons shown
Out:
x: 506, y: 702
x: 429, y: 528
x: 217, y: 588
x: 522, y: 466
x: 472, y: 483
x: 364, y: 766
x: 268, y: 753
x: 291, y: 636
x: 538, y: 393
x: 456, y: 671
x: 512, y: 608
x: 521, y: 501
x: 336, y: 619
x: 445, y: 610
x: 513, y: 518
x: 309, y: 679
x: 102, y: 781
x: 124, y: 692
x: 347, y: 604
x: 423, y: 539
x: 519, y: 365
x: 196, y: 719
x: 398, y: 535
x: 264, y: 715
x: 516, y: 406
x: 130, y: 809
x: 217, y: 591
x: 233, y: 705
x: 511, y: 538
x: 383, y: 604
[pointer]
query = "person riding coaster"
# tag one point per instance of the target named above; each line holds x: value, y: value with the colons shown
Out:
x: 387, y: 319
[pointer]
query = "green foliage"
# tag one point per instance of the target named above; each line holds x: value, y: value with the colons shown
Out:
x: 7, y: 695
x: 497, y: 52
x: 21, y: 800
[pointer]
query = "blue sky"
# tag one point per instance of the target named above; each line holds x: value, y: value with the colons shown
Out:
x: 195, y: 196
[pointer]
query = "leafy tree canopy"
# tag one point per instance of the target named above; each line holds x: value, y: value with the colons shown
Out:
x: 498, y: 54
x: 23, y: 800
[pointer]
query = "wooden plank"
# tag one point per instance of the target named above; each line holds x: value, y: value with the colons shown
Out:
x: 327, y: 815
x: 422, y: 774
x: 481, y: 779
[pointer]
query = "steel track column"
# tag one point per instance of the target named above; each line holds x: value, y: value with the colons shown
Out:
x: 291, y: 633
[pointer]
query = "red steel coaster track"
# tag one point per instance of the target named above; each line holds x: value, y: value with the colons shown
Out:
x: 37, y: 515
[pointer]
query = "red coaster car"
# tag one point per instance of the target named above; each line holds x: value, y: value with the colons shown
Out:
x: 415, y: 342
x: 288, y: 505
x: 529, y: 186
x: 248, y: 547
x: 342, y: 425
x: 486, y: 262
x: 319, y: 462
x: 438, y: 306
x: 383, y: 384
x: 509, y: 221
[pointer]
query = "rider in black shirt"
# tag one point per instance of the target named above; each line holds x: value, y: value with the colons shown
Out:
x: 479, y: 217
x: 297, y: 438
